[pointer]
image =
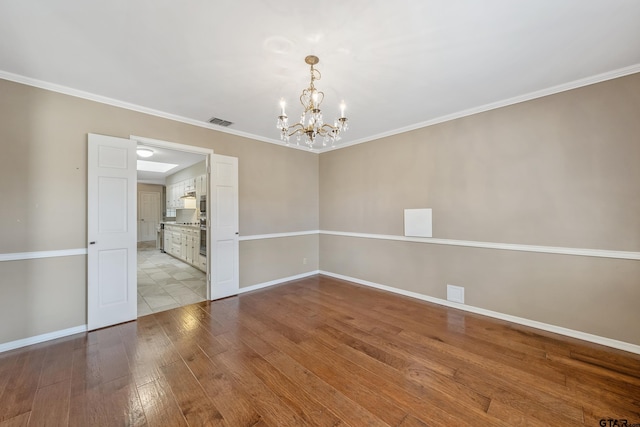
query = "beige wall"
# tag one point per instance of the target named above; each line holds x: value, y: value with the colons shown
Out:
x: 150, y: 188
x: 556, y: 171
x: 40, y: 296
x: 43, y: 169
x: 559, y: 171
x: 275, y: 259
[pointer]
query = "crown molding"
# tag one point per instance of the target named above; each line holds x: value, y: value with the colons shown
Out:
x: 65, y: 90
x: 609, y: 75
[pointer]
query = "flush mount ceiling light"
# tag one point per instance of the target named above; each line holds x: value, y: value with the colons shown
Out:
x: 144, y: 152
x: 311, y: 125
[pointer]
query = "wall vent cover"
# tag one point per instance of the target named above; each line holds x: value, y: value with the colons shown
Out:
x: 220, y: 122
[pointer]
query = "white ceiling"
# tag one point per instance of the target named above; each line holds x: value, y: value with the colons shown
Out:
x: 397, y: 64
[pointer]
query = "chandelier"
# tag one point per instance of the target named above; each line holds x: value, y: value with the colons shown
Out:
x: 311, y: 126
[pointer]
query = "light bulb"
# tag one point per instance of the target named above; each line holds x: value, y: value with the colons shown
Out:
x: 342, y: 107
x: 282, y: 104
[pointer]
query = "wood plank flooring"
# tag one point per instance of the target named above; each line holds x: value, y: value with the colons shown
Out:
x: 318, y: 351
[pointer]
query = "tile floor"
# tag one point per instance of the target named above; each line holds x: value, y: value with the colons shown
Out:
x: 165, y: 282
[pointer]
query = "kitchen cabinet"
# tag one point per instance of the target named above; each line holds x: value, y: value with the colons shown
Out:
x: 190, y: 185
x: 176, y: 243
x: 185, y: 247
x: 198, y: 189
x: 167, y: 241
x: 189, y: 253
x: 172, y: 196
x: 183, y: 242
x: 201, y: 186
x: 176, y: 190
x: 191, y: 248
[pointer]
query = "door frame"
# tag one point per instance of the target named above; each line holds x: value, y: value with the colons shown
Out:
x: 208, y: 153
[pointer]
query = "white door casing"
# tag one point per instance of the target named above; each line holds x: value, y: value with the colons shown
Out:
x: 223, y: 219
x: 111, y: 231
x: 148, y: 215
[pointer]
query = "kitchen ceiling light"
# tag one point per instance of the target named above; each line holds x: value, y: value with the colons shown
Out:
x: 144, y: 152
x: 311, y: 124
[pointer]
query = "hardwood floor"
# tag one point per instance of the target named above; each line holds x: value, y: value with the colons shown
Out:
x: 318, y: 351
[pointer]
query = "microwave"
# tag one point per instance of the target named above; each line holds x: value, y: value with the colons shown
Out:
x: 203, y: 206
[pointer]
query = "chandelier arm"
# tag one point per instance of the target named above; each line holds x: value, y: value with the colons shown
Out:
x: 296, y: 128
x: 329, y: 127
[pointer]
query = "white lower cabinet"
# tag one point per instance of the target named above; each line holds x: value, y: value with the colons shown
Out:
x: 167, y: 240
x: 183, y: 242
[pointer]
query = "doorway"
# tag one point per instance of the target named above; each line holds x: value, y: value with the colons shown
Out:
x: 171, y: 272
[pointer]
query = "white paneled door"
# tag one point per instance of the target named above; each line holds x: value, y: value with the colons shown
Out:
x: 111, y: 231
x: 223, y: 218
x: 148, y: 215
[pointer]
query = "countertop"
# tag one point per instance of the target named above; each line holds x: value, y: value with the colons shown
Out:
x: 191, y: 225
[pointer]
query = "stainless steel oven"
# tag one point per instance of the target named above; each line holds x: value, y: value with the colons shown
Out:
x: 203, y: 225
x: 203, y: 206
x: 203, y: 240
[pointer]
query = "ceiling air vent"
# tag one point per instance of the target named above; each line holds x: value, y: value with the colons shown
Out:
x: 220, y: 122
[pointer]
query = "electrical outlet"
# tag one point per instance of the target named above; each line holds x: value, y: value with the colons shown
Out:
x: 455, y: 294
x: 304, y: 261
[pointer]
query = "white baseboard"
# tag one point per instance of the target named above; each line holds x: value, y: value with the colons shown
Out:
x: 621, y: 345
x: 277, y: 281
x: 41, y: 338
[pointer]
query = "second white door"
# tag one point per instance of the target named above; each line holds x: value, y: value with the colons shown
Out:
x: 223, y: 219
